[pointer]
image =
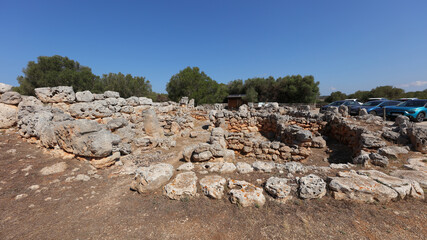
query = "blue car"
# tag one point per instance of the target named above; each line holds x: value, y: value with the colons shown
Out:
x: 416, y: 110
x: 348, y: 103
x: 374, y: 107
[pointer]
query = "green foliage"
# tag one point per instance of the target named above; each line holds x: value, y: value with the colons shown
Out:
x: 416, y: 94
x: 289, y: 89
x: 192, y: 83
x: 61, y: 71
x: 335, y: 96
x: 126, y: 85
x: 56, y: 71
x: 388, y: 92
x: 251, y: 95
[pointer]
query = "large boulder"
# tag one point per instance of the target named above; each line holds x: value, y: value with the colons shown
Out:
x: 151, y: 124
x: 56, y: 94
x: 418, y: 137
x: 245, y: 194
x: 182, y: 187
x: 368, y: 140
x: 111, y: 94
x: 12, y: 98
x: 360, y: 188
x: 213, y: 186
x: 403, y: 187
x: 8, y: 115
x: 392, y: 151
x: 5, y: 87
x: 85, y: 138
x: 311, y: 186
x: 152, y: 177
x: 85, y: 96
x: 278, y: 188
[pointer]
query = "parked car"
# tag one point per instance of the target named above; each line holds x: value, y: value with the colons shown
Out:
x: 416, y: 110
x: 348, y: 103
x: 374, y: 107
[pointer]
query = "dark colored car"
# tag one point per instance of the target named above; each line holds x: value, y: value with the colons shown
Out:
x: 416, y: 110
x: 348, y: 103
x: 374, y: 107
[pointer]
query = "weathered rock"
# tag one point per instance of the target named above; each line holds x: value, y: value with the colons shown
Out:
x: 264, y: 166
x: 311, y: 186
x: 246, y: 195
x: 318, y: 142
x: 152, y: 177
x: 363, y: 112
x: 55, y: 94
x: 117, y: 123
x: 132, y: 101
x: 186, y: 167
x: 145, y: 101
x: 182, y: 187
x: 201, y: 157
x: 187, y: 152
x: 278, y: 188
x: 418, y: 176
x: 292, y: 167
x: 111, y: 94
x: 371, y: 141
x: 418, y: 137
x: 5, y: 87
x: 378, y: 159
x: 392, y: 151
x: 229, y: 155
x: 8, y: 115
x: 402, y: 186
x: 243, y: 168
x: 55, y: 168
x: 419, y: 164
x: 213, y: 186
x: 352, y: 186
x: 362, y: 158
x: 151, y: 124
x: 85, y: 96
x: 12, y: 98
x: 85, y: 138
x: 227, y: 167
x: 183, y: 101
x: 98, y: 96
x: 106, y: 162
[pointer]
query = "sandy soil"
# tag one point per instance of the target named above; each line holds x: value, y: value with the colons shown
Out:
x: 105, y: 208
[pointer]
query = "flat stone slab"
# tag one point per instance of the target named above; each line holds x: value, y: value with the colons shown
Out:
x: 245, y: 194
x: 403, y: 187
x: 183, y: 186
x: 418, y: 176
x: 55, y: 168
x: 352, y: 186
x: 264, y: 166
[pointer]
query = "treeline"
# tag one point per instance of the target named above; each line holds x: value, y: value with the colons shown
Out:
x: 195, y: 84
x: 388, y: 92
x: 191, y: 82
x: 62, y: 71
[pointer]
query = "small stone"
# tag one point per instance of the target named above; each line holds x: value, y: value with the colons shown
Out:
x: 278, y: 188
x: 227, y: 168
x: 21, y: 196
x: 245, y: 194
x: 243, y: 168
x: 34, y: 187
x: 55, y: 168
x: 264, y: 166
x: 311, y: 186
x: 82, y: 177
x: 186, y: 167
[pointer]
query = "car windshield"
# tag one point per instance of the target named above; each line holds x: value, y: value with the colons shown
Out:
x: 414, y: 103
x: 337, y: 103
x: 372, y: 103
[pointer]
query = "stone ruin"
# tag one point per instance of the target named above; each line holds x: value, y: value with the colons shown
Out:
x: 274, y: 144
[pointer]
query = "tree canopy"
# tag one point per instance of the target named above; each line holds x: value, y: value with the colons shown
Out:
x: 56, y: 71
x: 61, y: 71
x: 193, y: 83
x: 288, y: 89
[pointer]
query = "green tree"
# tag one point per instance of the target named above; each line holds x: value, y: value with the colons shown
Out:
x: 361, y: 95
x: 127, y: 85
x: 297, y: 89
x: 335, y: 96
x: 56, y: 71
x: 235, y: 87
x: 193, y: 83
x: 388, y: 92
x: 251, y: 95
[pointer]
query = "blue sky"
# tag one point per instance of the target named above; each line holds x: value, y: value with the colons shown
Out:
x: 346, y: 45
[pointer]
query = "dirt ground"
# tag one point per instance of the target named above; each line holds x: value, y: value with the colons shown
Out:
x: 104, y: 208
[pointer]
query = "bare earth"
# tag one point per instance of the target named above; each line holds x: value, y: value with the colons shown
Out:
x: 105, y: 208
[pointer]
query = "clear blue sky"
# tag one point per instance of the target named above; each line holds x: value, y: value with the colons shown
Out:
x: 346, y: 45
